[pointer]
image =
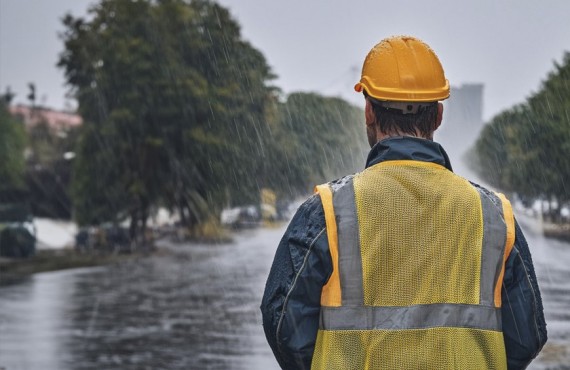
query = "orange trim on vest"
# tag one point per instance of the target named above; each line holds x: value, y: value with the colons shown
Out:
x: 331, y: 294
x: 510, y: 223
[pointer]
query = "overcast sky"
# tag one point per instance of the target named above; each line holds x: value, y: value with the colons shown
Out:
x: 319, y: 45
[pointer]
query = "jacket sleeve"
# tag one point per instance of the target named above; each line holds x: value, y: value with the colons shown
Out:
x: 291, y: 303
x: 524, y: 327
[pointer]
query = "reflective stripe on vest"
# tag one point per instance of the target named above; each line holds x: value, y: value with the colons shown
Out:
x: 343, y: 308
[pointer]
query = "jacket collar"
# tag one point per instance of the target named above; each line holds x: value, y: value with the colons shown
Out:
x: 408, y: 148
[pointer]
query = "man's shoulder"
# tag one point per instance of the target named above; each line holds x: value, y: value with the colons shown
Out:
x: 307, y: 223
x: 340, y: 182
x: 493, y: 196
x: 480, y: 188
x: 311, y: 210
x: 311, y: 205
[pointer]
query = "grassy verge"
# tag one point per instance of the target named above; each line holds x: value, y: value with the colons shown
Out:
x: 558, y: 231
x: 209, y: 231
x: 52, y: 260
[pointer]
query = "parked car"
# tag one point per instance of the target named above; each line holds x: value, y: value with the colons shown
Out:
x: 241, y: 217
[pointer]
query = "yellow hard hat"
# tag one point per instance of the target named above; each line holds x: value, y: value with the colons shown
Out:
x: 403, y: 68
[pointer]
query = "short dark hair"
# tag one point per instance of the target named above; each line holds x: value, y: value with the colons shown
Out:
x: 391, y: 120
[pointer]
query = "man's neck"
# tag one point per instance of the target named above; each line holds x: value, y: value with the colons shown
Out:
x: 381, y: 136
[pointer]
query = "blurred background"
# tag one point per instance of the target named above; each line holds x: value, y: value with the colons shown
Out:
x: 154, y: 150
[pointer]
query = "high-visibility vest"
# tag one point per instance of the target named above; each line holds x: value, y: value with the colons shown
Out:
x: 418, y: 257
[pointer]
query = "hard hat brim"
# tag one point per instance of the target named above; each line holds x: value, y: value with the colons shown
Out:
x: 438, y: 93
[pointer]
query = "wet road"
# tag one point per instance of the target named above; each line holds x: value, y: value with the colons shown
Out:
x: 552, y: 264
x: 194, y: 307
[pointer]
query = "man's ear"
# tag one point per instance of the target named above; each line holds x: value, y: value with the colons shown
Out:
x: 369, y: 114
x: 439, y: 115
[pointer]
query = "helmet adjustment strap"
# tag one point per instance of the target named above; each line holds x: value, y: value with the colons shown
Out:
x: 403, y: 107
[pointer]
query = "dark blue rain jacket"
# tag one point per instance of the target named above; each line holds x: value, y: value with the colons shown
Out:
x: 302, y: 265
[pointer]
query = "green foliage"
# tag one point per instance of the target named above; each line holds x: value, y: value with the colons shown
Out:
x: 179, y: 111
x: 12, y: 144
x: 526, y: 149
x: 175, y: 106
x: 97, y: 193
x: 47, y: 171
x: 318, y: 139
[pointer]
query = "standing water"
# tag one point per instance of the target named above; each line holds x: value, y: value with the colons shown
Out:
x: 189, y: 307
x: 194, y: 307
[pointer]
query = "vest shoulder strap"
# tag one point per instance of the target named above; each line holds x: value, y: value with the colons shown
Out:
x: 509, y: 243
x: 331, y: 294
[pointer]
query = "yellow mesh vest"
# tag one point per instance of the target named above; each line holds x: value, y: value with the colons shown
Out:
x: 417, y: 271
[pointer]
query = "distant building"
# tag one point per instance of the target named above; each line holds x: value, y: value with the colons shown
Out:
x: 56, y: 120
x: 462, y: 123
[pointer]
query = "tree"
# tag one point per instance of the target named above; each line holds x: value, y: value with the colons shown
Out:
x: 527, y: 149
x: 494, y: 148
x: 48, y: 172
x: 174, y: 104
x: 318, y: 138
x: 547, y: 133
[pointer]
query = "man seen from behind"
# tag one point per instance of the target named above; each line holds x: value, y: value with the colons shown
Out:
x: 404, y: 265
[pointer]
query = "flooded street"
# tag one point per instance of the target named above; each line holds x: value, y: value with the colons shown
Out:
x: 552, y: 263
x: 194, y: 307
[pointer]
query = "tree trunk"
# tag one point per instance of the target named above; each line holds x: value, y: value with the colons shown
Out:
x: 182, y: 213
x: 143, y: 226
x: 133, y: 229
